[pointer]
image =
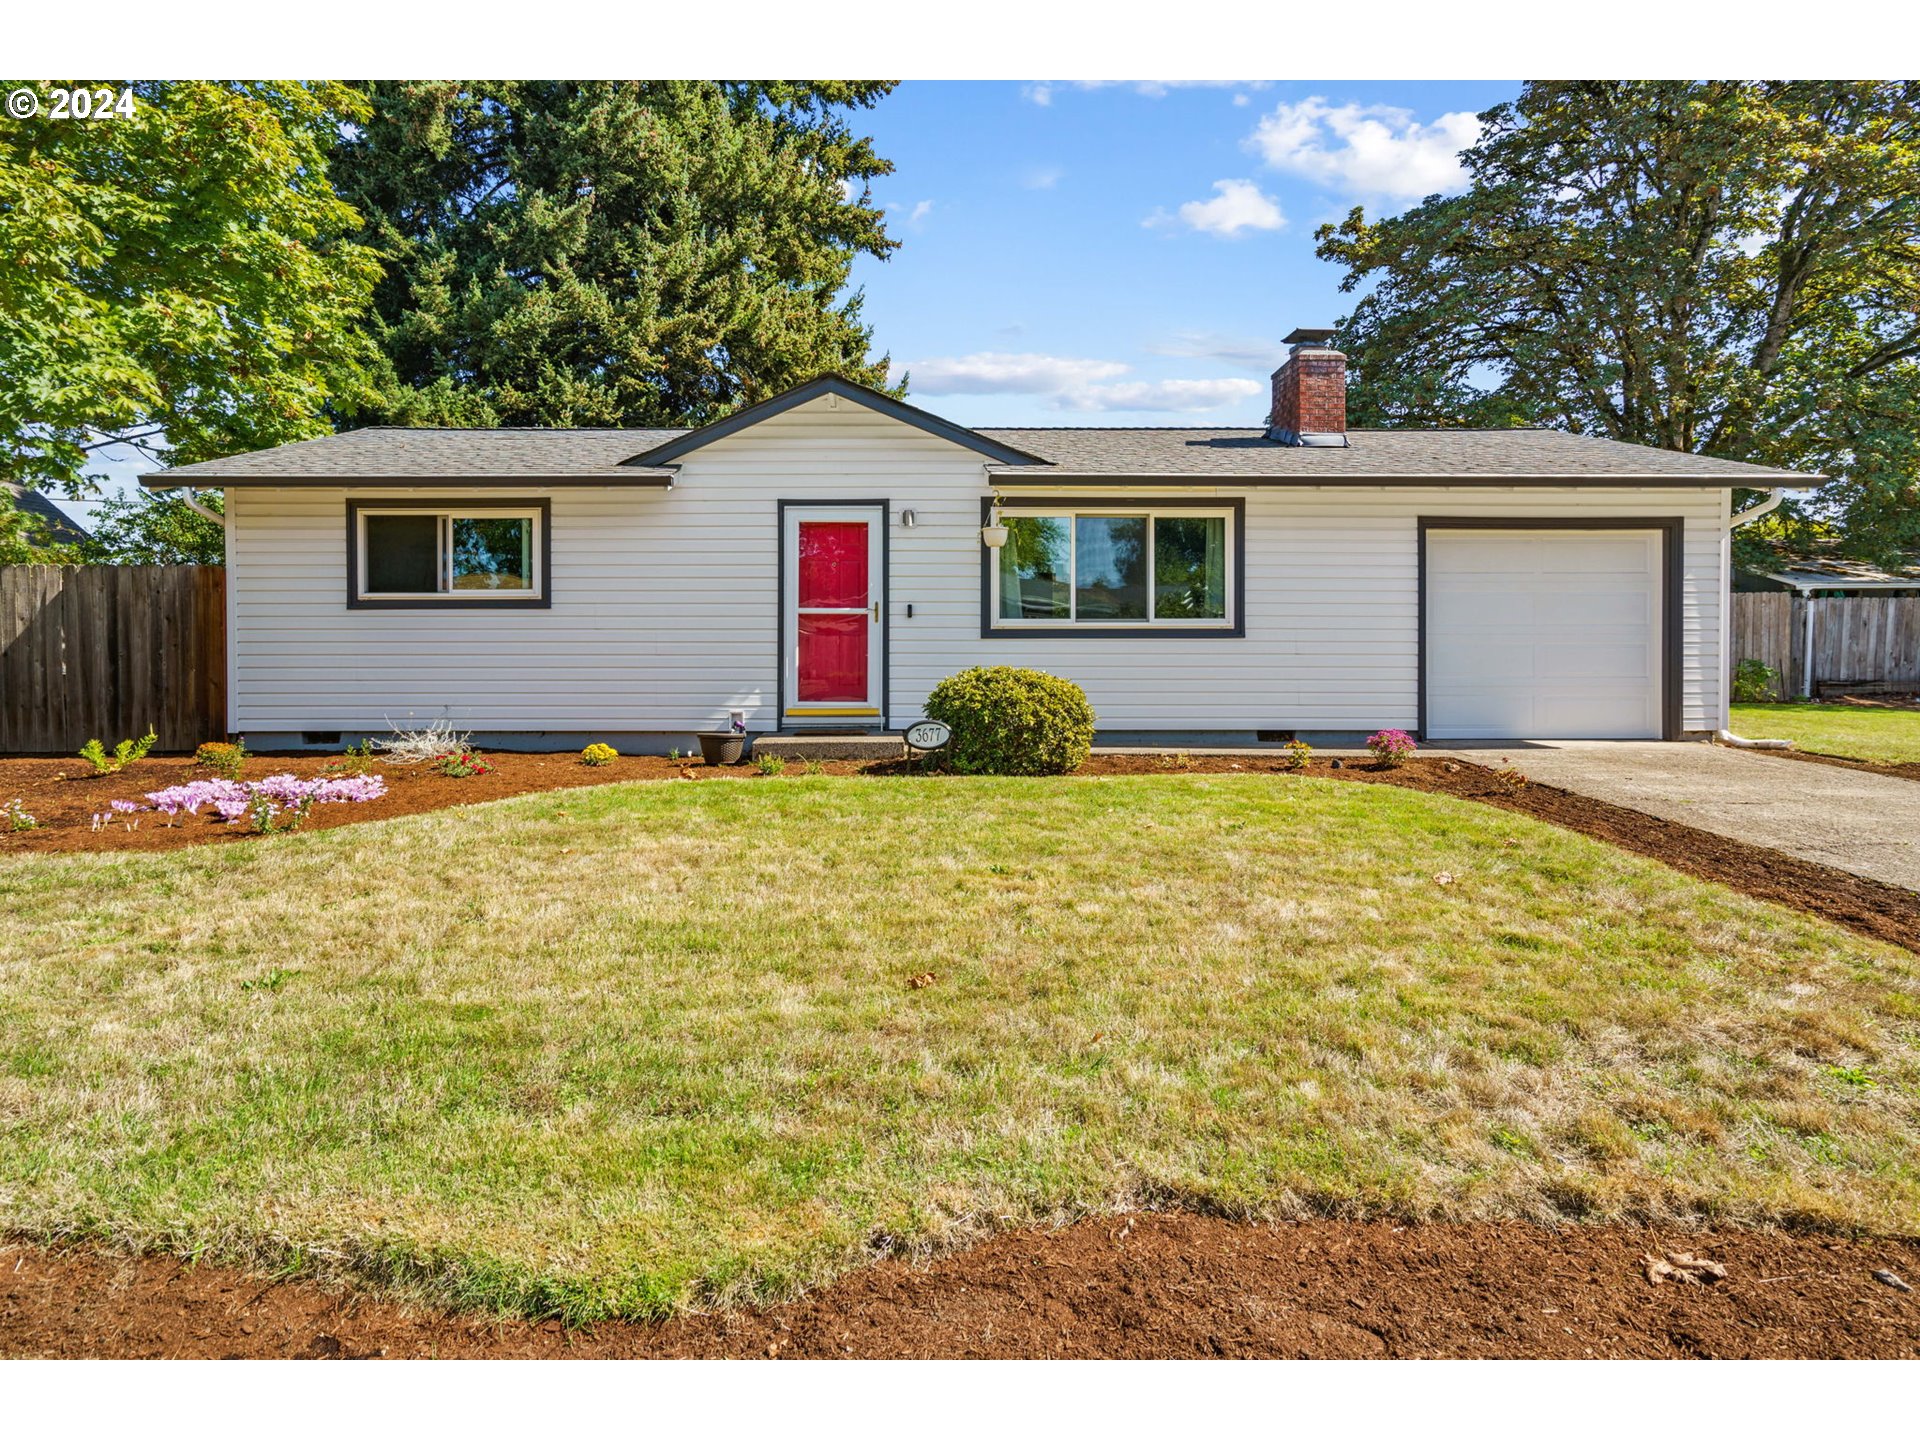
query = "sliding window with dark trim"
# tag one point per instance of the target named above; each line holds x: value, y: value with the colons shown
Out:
x: 1101, y: 567
x: 467, y: 554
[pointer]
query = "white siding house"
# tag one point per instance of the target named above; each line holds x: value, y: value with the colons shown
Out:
x: 666, y: 596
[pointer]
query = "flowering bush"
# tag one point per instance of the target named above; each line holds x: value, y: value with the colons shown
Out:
x: 233, y: 800
x: 17, y: 816
x: 598, y: 754
x: 1298, y: 753
x: 467, y: 762
x: 1390, y: 747
x: 223, y: 759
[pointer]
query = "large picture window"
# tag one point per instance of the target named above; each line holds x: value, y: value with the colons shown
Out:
x: 448, y: 555
x: 1148, y: 568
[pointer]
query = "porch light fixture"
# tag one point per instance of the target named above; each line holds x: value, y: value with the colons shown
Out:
x: 908, y: 519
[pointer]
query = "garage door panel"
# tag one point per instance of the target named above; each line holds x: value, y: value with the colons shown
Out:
x: 1582, y: 662
x: 1490, y: 662
x: 1602, y: 553
x: 1543, y: 634
x: 1588, y: 607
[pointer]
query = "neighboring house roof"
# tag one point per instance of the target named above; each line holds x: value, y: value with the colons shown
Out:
x: 1242, y: 456
x: 60, y: 527
x: 1822, y: 572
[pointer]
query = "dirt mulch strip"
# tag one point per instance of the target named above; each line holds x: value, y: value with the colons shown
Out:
x: 1142, y: 1286
x: 1901, y: 770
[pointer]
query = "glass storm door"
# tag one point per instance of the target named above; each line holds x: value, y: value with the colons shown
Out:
x: 833, y: 610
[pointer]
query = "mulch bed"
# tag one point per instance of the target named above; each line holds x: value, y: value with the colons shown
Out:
x: 1144, y: 1286
x: 1903, y: 770
x: 64, y: 799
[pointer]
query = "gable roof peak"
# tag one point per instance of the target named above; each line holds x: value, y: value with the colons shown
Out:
x: 839, y: 386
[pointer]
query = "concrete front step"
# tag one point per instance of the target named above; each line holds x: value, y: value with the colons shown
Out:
x: 830, y: 747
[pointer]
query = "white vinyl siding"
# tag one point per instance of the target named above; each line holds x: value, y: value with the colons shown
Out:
x: 665, y: 611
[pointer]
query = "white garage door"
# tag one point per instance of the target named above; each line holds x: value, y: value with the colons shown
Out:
x: 1543, y: 634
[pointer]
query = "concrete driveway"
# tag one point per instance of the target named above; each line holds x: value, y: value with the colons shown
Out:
x: 1850, y: 819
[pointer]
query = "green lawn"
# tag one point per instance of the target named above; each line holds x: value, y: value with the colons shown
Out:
x: 1853, y: 732
x: 634, y: 1048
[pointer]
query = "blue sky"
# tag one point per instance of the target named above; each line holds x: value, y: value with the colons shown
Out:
x: 1127, y: 254
x: 1131, y: 254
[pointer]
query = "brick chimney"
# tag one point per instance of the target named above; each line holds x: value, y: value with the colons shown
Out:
x: 1310, y: 392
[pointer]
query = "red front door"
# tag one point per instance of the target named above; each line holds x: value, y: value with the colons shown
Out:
x: 833, y: 611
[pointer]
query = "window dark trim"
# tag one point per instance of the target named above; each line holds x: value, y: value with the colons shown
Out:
x: 1117, y: 505
x: 1672, y: 601
x: 542, y: 601
x: 781, y: 720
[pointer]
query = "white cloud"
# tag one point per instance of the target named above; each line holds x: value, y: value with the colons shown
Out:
x: 1237, y: 205
x: 1366, y: 149
x: 1069, y: 382
x: 1183, y: 396
x: 1041, y: 177
x: 913, y: 215
x: 1041, y: 92
x: 997, y: 372
x: 1240, y: 351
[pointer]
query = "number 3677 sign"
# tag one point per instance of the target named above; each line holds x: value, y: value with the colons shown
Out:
x: 927, y: 735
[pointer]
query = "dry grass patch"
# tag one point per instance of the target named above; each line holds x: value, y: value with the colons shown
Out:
x: 643, y: 1047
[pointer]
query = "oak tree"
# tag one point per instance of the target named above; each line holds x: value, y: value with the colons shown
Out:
x: 1728, y: 268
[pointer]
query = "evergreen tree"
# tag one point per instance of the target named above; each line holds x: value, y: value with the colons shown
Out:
x: 612, y: 252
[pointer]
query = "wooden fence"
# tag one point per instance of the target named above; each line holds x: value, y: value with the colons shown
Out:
x: 104, y: 651
x: 1859, y: 641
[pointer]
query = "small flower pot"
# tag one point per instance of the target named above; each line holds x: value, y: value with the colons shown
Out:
x: 722, y: 747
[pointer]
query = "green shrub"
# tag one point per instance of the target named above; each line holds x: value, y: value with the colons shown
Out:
x: 1755, y: 682
x: 223, y: 759
x: 124, y: 754
x: 1008, y: 721
x: 770, y: 764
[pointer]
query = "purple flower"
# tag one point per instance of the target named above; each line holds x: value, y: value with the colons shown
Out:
x: 232, y: 799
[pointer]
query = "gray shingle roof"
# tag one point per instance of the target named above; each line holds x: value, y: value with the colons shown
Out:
x: 61, y: 528
x: 1426, y: 455
x: 1227, y: 456
x: 391, y: 452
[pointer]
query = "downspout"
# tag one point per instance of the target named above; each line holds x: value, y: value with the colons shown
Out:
x: 194, y: 505
x: 1734, y: 522
x: 1753, y: 513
